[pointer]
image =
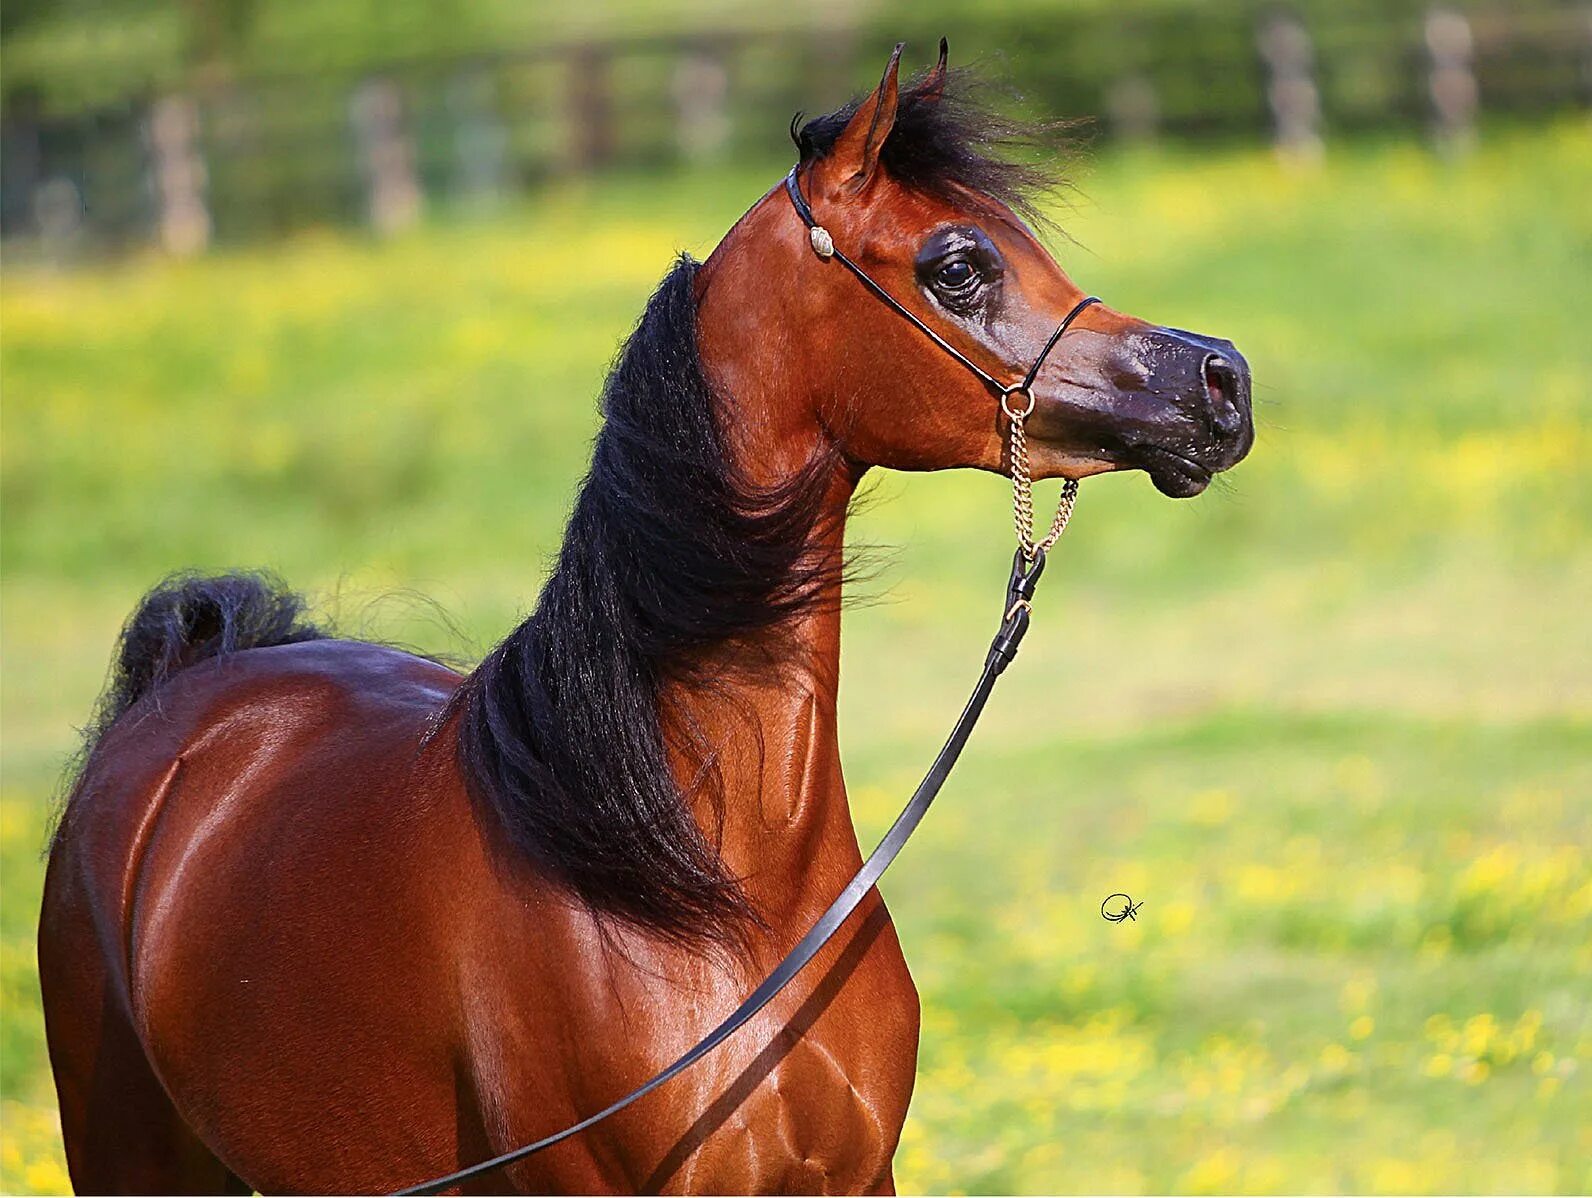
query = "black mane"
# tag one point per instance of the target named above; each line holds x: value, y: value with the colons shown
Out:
x: 669, y: 553
x: 946, y: 142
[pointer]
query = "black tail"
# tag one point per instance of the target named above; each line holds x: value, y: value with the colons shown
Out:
x: 187, y: 619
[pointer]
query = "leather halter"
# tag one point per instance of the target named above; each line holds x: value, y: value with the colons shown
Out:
x: 1027, y: 565
x: 824, y: 246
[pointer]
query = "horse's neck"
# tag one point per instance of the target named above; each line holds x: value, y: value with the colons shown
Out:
x: 770, y: 728
x: 784, y: 827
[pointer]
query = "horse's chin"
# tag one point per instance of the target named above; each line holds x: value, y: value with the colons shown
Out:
x: 1174, y: 475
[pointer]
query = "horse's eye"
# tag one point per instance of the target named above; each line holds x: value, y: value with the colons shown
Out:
x: 956, y: 275
x: 960, y: 268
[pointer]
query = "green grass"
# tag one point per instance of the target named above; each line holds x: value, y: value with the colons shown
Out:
x: 1331, y: 722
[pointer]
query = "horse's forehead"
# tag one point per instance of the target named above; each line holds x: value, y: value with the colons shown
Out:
x: 895, y: 220
x: 909, y: 212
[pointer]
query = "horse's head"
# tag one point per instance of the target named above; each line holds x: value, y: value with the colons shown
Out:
x: 907, y: 186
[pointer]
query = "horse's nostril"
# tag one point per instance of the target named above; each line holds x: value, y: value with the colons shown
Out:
x: 1221, y: 391
x: 1219, y: 378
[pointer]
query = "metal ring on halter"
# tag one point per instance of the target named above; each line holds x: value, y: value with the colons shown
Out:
x: 1017, y: 389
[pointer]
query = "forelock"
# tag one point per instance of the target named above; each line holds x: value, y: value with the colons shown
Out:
x: 952, y: 140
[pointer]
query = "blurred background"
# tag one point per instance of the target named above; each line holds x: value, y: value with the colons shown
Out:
x: 183, y: 123
x: 331, y: 288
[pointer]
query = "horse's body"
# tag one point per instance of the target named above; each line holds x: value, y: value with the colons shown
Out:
x: 301, y: 929
x: 275, y: 842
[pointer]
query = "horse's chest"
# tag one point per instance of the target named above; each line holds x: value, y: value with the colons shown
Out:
x: 808, y: 1097
x: 814, y: 1097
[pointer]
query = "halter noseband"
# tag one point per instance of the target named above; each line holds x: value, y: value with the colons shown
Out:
x: 1022, y: 486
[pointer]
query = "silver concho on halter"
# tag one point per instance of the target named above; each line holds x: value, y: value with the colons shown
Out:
x: 823, y: 243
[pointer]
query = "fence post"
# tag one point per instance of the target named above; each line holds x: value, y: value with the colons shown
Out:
x: 1133, y: 108
x: 58, y: 216
x: 178, y: 177
x: 386, y: 156
x: 1285, y: 48
x: 1452, y: 83
x: 701, y: 85
x: 590, y: 109
x: 480, y: 143
x: 22, y: 151
x: 1586, y: 54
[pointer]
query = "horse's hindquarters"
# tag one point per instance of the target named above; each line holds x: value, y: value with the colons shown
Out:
x: 121, y: 1132
x: 241, y: 873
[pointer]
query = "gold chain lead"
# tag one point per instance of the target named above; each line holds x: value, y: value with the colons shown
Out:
x: 1023, y: 491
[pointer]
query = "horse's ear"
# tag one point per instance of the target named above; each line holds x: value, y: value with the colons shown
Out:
x: 934, y: 83
x: 856, y: 154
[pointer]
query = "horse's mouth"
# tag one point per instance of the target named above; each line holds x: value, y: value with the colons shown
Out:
x: 1185, y: 471
x: 1174, y: 475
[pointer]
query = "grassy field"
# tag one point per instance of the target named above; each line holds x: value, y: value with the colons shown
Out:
x: 1331, y: 722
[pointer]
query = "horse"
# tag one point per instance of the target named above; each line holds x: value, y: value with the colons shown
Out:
x: 324, y: 915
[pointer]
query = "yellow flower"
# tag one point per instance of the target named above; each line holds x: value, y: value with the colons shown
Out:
x: 1393, y: 1176
x: 47, y: 1177
x: 1212, y: 1174
x: 1177, y: 917
x: 1336, y: 1058
x: 1362, y: 1027
x: 1437, y: 941
x: 1439, y: 1065
x: 1211, y: 808
x: 1357, y: 993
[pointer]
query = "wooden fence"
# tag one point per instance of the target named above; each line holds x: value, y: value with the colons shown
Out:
x: 259, y: 156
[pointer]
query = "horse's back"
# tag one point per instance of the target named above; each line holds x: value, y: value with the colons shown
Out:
x: 257, y: 857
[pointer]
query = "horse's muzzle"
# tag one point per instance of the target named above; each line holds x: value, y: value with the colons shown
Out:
x: 1204, y: 423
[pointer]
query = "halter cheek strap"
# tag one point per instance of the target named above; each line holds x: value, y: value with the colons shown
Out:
x: 1016, y: 399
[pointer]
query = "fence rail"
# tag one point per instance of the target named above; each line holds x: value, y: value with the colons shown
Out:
x: 259, y: 156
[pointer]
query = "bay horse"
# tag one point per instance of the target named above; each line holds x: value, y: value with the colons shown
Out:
x: 326, y: 916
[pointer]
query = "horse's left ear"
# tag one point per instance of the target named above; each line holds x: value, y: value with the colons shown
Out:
x: 855, y: 157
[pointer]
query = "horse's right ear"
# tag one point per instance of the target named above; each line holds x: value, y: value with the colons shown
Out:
x: 933, y: 86
x: 855, y: 157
